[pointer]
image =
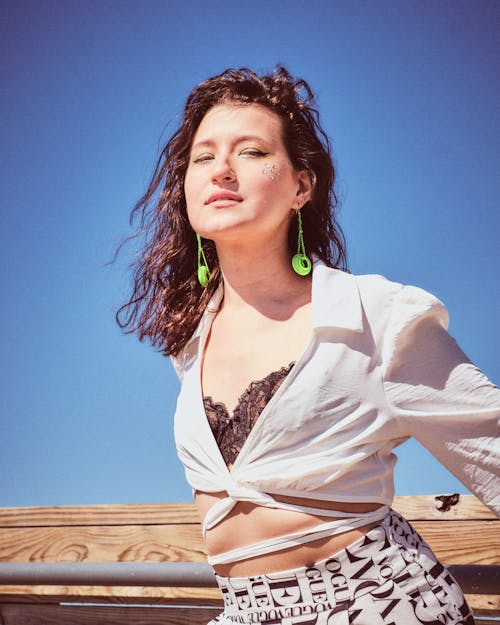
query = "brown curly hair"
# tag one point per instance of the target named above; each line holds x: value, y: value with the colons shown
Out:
x: 167, y: 300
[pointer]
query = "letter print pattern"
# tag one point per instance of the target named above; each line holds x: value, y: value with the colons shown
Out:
x: 388, y: 577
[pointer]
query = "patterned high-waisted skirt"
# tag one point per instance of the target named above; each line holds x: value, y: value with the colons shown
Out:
x: 388, y: 577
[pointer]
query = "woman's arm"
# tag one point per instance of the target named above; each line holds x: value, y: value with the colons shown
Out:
x: 439, y: 397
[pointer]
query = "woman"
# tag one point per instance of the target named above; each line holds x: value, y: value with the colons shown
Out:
x: 298, y: 379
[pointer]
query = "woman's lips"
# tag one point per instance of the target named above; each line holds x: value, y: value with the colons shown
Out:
x: 222, y: 199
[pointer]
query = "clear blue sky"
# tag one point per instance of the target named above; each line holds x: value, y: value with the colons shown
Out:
x: 409, y: 93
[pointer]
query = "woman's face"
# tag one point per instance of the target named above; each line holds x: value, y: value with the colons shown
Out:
x: 240, y: 181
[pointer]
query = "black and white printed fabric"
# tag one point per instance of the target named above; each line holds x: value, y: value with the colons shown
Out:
x: 388, y: 577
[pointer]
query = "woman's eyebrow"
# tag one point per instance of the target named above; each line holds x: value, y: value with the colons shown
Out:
x: 240, y: 139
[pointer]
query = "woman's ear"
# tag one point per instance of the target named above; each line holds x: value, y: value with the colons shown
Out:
x: 305, y: 187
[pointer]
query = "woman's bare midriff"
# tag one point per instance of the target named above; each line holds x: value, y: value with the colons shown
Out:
x: 248, y: 523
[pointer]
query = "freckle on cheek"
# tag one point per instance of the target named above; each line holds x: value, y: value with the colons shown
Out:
x: 270, y: 171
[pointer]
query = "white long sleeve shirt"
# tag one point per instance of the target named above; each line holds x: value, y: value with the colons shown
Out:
x: 379, y: 368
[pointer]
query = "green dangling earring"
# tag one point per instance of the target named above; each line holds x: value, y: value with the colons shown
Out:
x: 301, y: 262
x: 203, y: 270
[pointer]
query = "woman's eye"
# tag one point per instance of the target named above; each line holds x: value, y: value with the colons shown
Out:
x: 253, y: 152
x: 203, y: 158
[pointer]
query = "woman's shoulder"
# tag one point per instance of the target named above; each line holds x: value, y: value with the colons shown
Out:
x: 378, y: 296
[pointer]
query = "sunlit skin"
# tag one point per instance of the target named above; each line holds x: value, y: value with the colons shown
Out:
x: 241, y: 191
x: 233, y: 152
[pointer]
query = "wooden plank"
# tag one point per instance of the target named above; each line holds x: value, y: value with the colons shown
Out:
x: 464, y: 533
x: 455, y: 542
x: 442, y: 507
x: 412, y: 507
x: 111, y: 594
x: 21, y: 614
x: 103, y: 514
x: 462, y: 542
x: 173, y: 543
x: 484, y: 605
x: 109, y: 615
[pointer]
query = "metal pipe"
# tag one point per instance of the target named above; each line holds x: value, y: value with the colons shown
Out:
x: 191, y: 574
x: 473, y: 578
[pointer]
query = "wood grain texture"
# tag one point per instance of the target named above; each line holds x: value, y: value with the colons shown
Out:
x: 481, y: 604
x: 133, y: 543
x: 465, y: 533
x: 413, y: 508
x: 22, y: 614
x: 454, y: 542
x: 111, y: 594
x: 429, y: 507
x: 19, y: 614
x: 484, y: 605
x: 462, y: 542
x: 102, y: 514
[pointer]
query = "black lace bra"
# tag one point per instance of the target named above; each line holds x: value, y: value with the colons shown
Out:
x: 231, y: 432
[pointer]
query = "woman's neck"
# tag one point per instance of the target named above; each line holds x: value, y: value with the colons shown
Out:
x: 264, y: 281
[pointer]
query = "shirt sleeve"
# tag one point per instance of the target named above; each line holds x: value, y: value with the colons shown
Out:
x: 439, y: 397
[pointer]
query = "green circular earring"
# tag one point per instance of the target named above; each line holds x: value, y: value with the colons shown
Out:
x: 203, y: 270
x: 301, y: 262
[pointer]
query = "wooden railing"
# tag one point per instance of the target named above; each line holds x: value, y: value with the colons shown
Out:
x: 461, y: 531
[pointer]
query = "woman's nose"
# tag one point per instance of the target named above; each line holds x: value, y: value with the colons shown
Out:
x: 223, y: 172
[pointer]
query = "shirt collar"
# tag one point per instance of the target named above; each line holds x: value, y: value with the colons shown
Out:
x: 335, y: 299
